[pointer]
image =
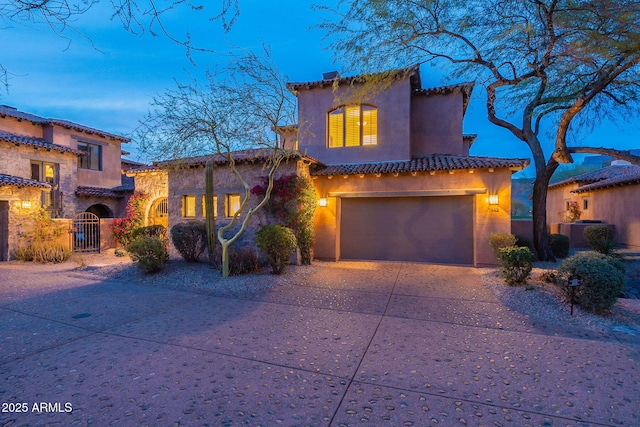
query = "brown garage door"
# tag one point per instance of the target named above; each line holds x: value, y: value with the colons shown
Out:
x: 421, y: 229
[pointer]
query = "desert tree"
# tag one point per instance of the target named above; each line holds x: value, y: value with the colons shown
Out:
x: 552, y: 69
x: 234, y: 114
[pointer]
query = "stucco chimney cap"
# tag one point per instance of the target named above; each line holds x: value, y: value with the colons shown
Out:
x: 330, y: 75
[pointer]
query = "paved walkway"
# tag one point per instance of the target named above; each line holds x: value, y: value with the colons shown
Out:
x: 381, y: 344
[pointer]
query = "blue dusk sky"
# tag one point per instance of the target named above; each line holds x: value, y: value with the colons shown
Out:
x: 106, y: 78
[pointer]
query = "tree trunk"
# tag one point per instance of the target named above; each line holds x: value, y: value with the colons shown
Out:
x: 540, y: 232
x: 225, y: 259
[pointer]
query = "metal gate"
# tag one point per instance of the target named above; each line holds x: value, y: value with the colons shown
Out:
x: 4, y: 231
x: 86, y: 232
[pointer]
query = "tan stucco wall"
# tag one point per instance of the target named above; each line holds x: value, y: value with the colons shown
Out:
x: 436, y: 125
x: 486, y: 220
x: 394, y: 109
x: 619, y: 206
x: 556, y: 197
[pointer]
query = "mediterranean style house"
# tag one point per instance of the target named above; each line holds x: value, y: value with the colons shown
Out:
x: 390, y: 165
x: 64, y: 167
x: 610, y: 195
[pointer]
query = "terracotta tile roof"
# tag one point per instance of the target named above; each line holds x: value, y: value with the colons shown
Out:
x: 108, y: 193
x: 253, y: 155
x: 37, y: 143
x: 413, y: 72
x: 612, y: 176
x: 16, y: 181
x: 7, y: 111
x: 602, y: 178
x: 422, y: 164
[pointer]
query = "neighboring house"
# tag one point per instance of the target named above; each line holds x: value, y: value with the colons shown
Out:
x: 64, y: 167
x: 611, y: 195
x: 392, y: 172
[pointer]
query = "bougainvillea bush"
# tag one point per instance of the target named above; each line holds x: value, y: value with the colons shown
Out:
x: 134, y: 218
x: 292, y: 204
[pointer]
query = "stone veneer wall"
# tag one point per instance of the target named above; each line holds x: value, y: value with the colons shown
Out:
x: 20, y: 220
x: 154, y: 184
x: 16, y: 161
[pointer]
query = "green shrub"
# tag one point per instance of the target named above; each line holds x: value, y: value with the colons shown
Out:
x: 148, y: 253
x: 120, y: 252
x: 501, y: 240
x: 601, y: 278
x: 276, y: 243
x: 158, y: 231
x: 559, y: 245
x: 550, y: 276
x: 243, y: 261
x: 523, y: 241
x: 600, y: 238
x: 189, y: 239
x: 517, y: 262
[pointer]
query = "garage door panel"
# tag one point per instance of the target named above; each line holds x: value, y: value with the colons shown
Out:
x: 421, y: 229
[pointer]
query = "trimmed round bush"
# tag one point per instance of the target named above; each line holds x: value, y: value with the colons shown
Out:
x: 276, y: 243
x: 517, y: 262
x: 559, y: 245
x: 148, y: 253
x: 601, y: 278
x: 600, y: 238
x: 190, y: 239
x: 501, y: 240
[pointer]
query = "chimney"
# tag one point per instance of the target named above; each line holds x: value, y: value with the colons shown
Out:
x: 330, y: 75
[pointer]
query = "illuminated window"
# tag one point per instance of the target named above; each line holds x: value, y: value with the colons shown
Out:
x: 232, y: 204
x: 353, y: 126
x: 204, y: 206
x: 91, y: 157
x: 188, y: 206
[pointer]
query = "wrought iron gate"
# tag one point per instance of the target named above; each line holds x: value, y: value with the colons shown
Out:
x: 86, y: 232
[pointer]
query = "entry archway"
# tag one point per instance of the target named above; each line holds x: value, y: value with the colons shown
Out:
x: 159, y: 212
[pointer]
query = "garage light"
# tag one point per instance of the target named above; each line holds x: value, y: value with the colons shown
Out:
x: 493, y: 199
x: 322, y: 201
x: 25, y: 204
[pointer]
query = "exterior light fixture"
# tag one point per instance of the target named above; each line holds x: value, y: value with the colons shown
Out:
x: 322, y: 201
x: 573, y: 282
x: 25, y: 204
x: 493, y: 199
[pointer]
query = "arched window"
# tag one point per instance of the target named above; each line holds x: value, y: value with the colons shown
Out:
x: 352, y: 126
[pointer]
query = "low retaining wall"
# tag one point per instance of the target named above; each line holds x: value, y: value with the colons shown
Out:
x: 575, y: 232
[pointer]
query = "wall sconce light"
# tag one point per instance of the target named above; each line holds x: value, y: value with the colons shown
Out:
x: 493, y: 199
x: 25, y: 204
x: 322, y: 201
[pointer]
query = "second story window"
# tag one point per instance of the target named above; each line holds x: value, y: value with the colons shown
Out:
x: 352, y: 126
x: 91, y: 157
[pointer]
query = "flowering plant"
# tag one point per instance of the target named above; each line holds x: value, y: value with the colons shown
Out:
x: 573, y: 212
x: 134, y: 218
x: 292, y: 204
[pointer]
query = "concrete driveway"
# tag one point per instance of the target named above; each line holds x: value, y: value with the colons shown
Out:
x: 381, y: 344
